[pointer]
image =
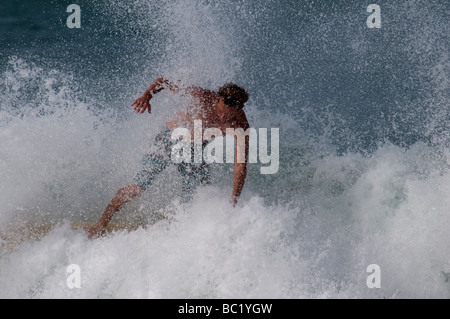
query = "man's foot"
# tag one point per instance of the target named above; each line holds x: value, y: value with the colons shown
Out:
x: 96, y: 231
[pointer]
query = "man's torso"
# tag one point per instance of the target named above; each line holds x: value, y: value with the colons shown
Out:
x: 202, y: 108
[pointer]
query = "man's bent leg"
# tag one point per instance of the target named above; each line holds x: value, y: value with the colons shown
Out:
x: 123, y: 196
x: 152, y: 164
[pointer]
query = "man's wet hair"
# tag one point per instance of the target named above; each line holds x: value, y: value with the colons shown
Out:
x: 233, y: 95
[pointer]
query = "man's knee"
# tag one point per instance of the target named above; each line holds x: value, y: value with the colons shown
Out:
x: 128, y: 192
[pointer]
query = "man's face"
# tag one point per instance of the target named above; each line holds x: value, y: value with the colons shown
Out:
x: 225, y: 112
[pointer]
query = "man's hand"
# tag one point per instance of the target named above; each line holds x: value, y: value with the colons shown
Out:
x: 234, y: 200
x: 143, y: 103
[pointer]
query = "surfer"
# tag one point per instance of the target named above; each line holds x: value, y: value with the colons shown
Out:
x: 222, y: 109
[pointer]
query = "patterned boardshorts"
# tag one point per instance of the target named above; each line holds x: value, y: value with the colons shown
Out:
x: 193, y: 174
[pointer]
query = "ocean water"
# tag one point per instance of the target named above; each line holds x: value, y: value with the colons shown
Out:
x: 364, y: 175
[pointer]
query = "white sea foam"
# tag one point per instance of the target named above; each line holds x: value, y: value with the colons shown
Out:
x: 387, y: 216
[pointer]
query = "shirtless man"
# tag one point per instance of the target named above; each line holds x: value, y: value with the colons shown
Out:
x: 222, y: 109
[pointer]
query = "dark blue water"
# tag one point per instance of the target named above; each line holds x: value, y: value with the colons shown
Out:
x: 306, y: 58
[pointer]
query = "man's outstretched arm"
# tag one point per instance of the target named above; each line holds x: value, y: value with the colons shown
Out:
x: 143, y: 103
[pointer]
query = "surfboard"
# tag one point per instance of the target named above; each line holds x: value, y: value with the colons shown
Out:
x: 111, y: 227
x: 13, y: 237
